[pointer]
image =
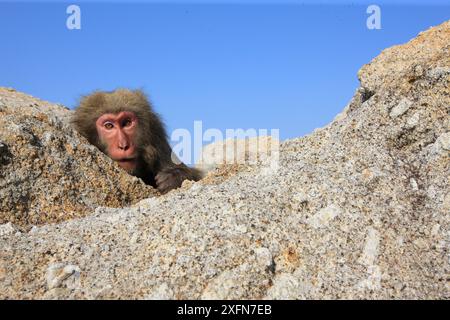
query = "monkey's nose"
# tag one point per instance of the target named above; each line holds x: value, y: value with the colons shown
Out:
x: 123, y: 142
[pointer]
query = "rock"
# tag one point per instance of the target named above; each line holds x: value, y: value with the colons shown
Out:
x: 324, y: 216
x: 286, y: 287
x: 444, y: 141
x: 264, y: 257
x: 370, y: 251
x: 401, y: 108
x: 48, y: 172
x: 59, y: 273
x: 356, y: 210
x: 7, y: 228
x: 413, y: 121
x: 250, y: 151
x: 438, y: 73
x: 163, y: 292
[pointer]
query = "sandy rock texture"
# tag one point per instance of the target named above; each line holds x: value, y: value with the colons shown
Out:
x: 250, y: 151
x: 48, y: 172
x: 358, y: 209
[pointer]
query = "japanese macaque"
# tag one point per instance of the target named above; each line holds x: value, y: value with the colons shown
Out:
x: 123, y: 125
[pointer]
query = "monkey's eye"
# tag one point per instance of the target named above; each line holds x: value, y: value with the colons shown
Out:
x: 108, y: 125
x: 127, y: 123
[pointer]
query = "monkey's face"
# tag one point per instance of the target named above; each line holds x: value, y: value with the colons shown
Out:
x: 117, y: 132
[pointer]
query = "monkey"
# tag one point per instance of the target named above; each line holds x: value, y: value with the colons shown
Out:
x: 124, y: 126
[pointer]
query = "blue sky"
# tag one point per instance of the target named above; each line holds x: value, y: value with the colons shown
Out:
x: 262, y: 64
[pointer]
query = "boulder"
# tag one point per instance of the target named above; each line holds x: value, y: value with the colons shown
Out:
x: 259, y: 150
x: 357, y: 209
x: 48, y: 172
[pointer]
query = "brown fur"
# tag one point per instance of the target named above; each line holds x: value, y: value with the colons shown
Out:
x: 155, y: 165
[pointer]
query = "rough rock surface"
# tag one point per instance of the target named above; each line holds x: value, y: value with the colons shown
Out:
x: 358, y: 209
x: 249, y: 151
x: 48, y: 172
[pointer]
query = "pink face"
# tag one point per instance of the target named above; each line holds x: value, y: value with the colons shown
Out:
x: 118, y: 132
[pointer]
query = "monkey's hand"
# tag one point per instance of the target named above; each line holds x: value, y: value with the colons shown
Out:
x: 170, y: 178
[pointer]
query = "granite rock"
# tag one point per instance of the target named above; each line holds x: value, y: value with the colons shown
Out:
x: 357, y: 209
x: 48, y: 172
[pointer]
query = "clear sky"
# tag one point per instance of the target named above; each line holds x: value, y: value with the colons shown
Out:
x: 263, y: 64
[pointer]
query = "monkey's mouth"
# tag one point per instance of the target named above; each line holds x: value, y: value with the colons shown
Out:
x: 128, y: 164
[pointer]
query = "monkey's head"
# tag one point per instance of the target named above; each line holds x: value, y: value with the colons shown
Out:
x: 116, y: 121
x: 123, y: 125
